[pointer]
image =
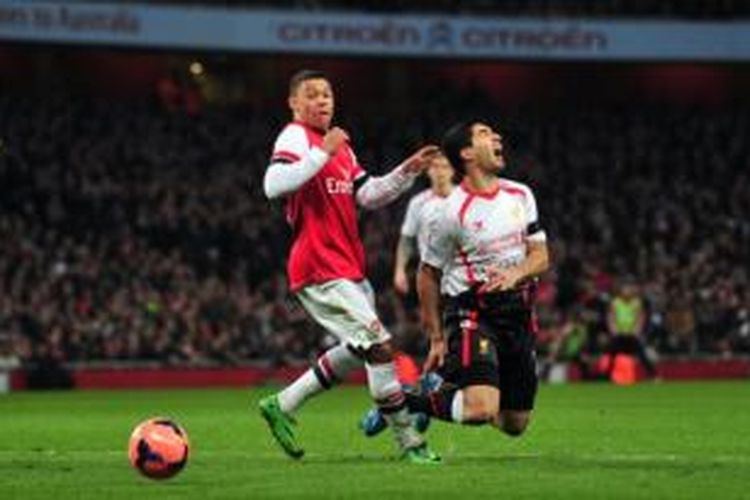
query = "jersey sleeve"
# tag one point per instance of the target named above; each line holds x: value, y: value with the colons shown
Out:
x: 291, y: 145
x: 442, y: 235
x: 410, y: 226
x: 534, y: 230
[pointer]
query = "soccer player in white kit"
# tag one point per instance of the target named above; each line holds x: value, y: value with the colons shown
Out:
x: 483, y: 253
x: 315, y: 169
x: 420, y: 209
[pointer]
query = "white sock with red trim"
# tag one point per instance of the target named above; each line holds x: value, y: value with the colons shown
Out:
x: 388, y: 395
x: 329, y: 369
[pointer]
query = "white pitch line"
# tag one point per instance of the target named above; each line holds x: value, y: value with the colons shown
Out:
x: 452, y: 455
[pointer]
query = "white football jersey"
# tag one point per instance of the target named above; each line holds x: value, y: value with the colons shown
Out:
x: 474, y: 231
x: 421, y: 209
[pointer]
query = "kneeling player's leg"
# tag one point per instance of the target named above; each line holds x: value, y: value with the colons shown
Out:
x: 481, y: 404
x: 518, y: 386
x: 470, y: 405
x: 469, y: 394
x: 513, y: 422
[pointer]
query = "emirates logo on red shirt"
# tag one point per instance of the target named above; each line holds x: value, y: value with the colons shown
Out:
x: 339, y: 186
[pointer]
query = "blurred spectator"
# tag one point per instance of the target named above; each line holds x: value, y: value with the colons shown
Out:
x: 9, y: 359
x: 626, y: 322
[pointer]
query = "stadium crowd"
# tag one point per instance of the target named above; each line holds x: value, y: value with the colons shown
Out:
x: 132, y: 233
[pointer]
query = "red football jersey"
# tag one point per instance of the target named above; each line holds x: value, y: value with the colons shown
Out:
x: 326, y: 243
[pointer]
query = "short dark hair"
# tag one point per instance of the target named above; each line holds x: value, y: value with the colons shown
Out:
x: 303, y: 75
x: 454, y: 140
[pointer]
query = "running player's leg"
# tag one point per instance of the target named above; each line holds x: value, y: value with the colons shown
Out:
x: 390, y: 399
x: 373, y: 423
x: 375, y: 342
x: 331, y: 367
x: 346, y: 310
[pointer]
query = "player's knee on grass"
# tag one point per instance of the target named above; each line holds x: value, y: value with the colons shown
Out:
x: 514, y: 423
x: 379, y: 353
x: 481, y: 405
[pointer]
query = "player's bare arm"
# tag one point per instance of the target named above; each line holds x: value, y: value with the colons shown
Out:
x: 428, y: 289
x: 404, y: 253
x: 535, y: 263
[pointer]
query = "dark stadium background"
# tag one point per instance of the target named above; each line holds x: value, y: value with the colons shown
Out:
x: 135, y: 235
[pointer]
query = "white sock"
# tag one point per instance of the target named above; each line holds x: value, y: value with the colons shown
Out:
x: 297, y: 392
x: 340, y: 360
x: 385, y: 388
x: 331, y: 366
x: 386, y: 391
x: 457, y: 407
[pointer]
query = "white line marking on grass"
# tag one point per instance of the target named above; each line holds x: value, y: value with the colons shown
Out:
x: 634, y: 458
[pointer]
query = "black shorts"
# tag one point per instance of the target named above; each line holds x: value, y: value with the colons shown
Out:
x: 628, y: 344
x: 491, y: 342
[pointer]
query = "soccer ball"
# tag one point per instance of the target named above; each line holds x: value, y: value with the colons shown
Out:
x: 158, y: 448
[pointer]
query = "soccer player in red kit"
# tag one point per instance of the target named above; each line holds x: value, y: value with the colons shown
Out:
x: 315, y: 169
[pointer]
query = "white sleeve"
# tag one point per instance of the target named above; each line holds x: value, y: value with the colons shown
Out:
x: 534, y: 230
x: 293, y: 163
x: 410, y: 226
x: 377, y: 192
x: 441, y: 238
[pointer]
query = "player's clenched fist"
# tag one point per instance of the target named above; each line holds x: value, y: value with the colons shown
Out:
x: 333, y: 140
x: 420, y: 160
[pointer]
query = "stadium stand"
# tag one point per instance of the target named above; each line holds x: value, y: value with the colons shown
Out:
x: 134, y: 233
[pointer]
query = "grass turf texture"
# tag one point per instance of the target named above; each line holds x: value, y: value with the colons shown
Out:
x: 587, y: 441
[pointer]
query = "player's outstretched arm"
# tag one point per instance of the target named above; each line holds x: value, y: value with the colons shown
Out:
x: 377, y: 192
x: 285, y: 177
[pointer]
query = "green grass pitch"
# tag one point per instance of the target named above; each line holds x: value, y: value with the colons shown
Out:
x: 651, y: 441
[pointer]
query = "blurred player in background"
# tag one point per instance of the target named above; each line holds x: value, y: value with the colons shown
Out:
x: 314, y: 167
x: 483, y: 253
x: 416, y: 221
x: 626, y: 322
x: 412, y: 241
